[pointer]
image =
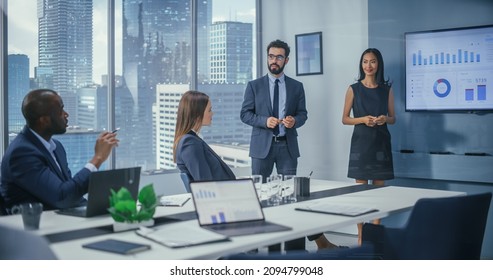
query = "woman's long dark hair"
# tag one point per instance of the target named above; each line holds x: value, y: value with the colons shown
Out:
x: 190, y: 114
x: 379, y: 77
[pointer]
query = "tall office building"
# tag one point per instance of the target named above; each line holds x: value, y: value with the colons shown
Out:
x: 231, y: 68
x: 43, y: 77
x: 227, y: 127
x: 79, y: 145
x: 227, y: 133
x: 92, y: 104
x: 231, y: 52
x: 65, y: 47
x: 156, y: 49
x: 231, y: 57
x: 231, y: 60
x: 92, y: 108
x: 168, y: 97
x: 18, y: 86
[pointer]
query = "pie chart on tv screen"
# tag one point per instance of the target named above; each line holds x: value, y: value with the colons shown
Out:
x: 441, y: 88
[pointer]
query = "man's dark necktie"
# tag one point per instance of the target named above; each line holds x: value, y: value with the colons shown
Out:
x: 275, y: 106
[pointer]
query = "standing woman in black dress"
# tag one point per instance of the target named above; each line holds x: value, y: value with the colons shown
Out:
x: 372, y: 101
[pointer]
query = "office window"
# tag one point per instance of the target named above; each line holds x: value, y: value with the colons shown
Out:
x: 51, y: 45
x: 162, y: 66
x: 62, y: 44
x: 231, y: 56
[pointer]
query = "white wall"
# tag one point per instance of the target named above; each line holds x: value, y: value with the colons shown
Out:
x: 324, y: 140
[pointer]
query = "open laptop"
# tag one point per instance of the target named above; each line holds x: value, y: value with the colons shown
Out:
x: 100, y: 184
x: 231, y: 208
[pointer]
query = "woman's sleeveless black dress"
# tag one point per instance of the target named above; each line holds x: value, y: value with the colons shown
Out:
x: 370, y: 157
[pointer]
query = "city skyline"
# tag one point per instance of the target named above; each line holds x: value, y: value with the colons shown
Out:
x: 27, y: 25
x: 155, y: 50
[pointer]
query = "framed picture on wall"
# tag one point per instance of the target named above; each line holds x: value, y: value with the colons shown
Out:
x: 309, y: 54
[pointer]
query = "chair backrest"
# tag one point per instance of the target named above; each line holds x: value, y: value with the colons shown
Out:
x: 364, y: 252
x: 3, y: 210
x: 441, y: 228
x: 17, y: 244
x: 186, y: 181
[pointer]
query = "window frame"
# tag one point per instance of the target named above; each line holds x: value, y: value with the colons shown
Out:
x: 111, y: 63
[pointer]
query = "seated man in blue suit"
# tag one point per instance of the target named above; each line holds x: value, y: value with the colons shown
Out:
x: 192, y: 154
x: 34, y: 167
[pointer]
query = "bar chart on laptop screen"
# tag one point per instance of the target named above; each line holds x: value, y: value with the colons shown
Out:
x: 216, y: 203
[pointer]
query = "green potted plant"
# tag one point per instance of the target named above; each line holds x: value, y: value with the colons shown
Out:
x: 127, y: 213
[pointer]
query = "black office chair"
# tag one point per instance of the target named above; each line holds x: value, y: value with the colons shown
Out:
x: 365, y: 252
x: 17, y: 244
x: 186, y: 181
x: 3, y: 210
x: 438, y: 228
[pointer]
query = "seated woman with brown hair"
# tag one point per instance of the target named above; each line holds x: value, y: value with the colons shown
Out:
x: 191, y: 153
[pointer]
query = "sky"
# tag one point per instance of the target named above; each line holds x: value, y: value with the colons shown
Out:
x: 23, y: 28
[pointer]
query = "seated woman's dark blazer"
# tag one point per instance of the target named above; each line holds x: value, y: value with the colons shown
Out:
x: 195, y: 158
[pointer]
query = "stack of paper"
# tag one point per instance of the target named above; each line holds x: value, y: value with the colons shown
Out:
x: 174, y: 200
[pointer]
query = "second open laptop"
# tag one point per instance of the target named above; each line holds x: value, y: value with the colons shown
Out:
x: 231, y: 208
x: 100, y: 184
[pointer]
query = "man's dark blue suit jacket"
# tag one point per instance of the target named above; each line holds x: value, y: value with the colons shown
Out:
x: 30, y: 174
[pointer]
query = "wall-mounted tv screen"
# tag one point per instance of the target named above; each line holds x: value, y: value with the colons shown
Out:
x: 450, y: 69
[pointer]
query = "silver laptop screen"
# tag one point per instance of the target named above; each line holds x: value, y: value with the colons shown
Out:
x: 226, y: 201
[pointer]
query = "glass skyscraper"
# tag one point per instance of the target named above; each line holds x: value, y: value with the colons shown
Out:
x: 157, y: 49
x: 230, y: 60
x: 18, y: 81
x: 156, y: 43
x: 65, y: 47
x: 231, y: 52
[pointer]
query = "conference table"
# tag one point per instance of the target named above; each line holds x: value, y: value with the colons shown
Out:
x: 67, y: 234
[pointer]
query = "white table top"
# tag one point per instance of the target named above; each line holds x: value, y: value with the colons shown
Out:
x: 388, y: 200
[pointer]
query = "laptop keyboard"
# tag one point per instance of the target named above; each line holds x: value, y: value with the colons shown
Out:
x: 238, y: 225
x: 78, y: 211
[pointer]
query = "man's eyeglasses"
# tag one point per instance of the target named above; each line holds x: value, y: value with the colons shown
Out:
x: 276, y: 57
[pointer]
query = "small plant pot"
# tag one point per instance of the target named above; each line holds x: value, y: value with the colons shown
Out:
x: 118, y: 226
